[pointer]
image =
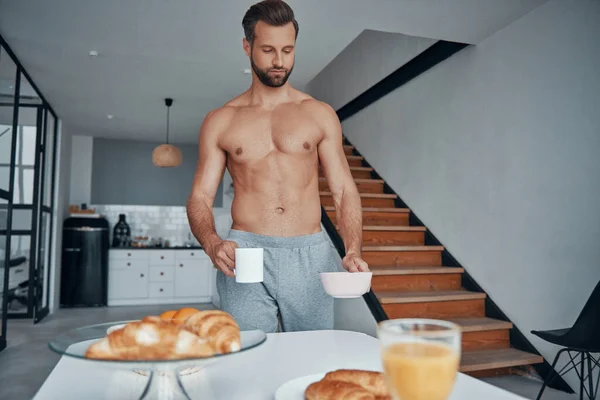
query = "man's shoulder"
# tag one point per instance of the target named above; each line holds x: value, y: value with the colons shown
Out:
x: 320, y: 109
x: 309, y: 102
x: 220, y: 116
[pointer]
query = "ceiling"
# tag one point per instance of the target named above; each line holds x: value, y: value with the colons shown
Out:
x: 191, y: 50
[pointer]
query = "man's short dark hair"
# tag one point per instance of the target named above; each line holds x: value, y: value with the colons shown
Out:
x: 272, y: 12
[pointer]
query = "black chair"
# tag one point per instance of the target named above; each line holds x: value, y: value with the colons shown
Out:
x: 582, y: 339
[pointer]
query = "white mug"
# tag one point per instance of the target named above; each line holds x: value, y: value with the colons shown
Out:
x: 248, y: 265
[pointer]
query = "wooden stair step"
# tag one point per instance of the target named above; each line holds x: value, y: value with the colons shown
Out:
x: 479, y: 360
x: 403, y: 297
x: 418, y: 282
x: 481, y: 333
x: 402, y: 248
x: 480, y: 324
x: 378, y: 270
x: 432, y: 304
x: 387, y: 210
x: 357, y: 172
x: 358, y: 180
x: 367, y: 195
x: 355, y: 161
x: 388, y: 217
x: 402, y: 255
x: 393, y: 235
x: 348, y: 149
x: 363, y: 185
x: 392, y: 228
x: 377, y: 209
x: 367, y: 199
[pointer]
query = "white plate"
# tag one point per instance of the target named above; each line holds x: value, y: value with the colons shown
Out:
x: 294, y: 389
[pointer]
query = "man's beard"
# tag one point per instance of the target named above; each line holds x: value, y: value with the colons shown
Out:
x: 269, y: 80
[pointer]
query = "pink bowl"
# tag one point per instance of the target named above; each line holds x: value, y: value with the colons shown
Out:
x: 346, y: 285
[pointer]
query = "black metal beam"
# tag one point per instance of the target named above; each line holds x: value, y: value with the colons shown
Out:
x: 22, y: 69
x: 435, y: 54
x: 11, y: 189
x: 15, y: 232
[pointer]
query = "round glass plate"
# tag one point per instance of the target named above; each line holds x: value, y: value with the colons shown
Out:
x: 164, y: 375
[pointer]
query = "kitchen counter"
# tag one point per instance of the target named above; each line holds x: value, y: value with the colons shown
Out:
x: 159, y: 275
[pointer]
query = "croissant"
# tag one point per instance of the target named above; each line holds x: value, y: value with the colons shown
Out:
x: 373, y: 381
x: 149, y: 339
x: 336, y: 390
x: 219, y: 328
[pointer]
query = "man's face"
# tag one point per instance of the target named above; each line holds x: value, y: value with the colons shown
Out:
x: 272, y: 53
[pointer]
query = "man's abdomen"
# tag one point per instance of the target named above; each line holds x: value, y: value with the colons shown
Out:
x: 278, y: 213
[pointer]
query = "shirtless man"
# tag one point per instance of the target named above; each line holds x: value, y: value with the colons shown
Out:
x: 272, y: 138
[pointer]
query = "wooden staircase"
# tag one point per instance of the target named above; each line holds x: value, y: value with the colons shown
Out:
x: 410, y: 279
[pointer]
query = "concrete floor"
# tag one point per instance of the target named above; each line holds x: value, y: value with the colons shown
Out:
x: 27, y: 360
x: 528, y: 388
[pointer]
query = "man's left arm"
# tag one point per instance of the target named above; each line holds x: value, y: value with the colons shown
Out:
x: 346, y: 198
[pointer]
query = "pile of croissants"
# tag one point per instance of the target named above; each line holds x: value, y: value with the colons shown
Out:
x: 349, y: 384
x: 175, y: 334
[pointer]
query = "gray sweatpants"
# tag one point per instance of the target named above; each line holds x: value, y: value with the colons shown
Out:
x: 291, y: 284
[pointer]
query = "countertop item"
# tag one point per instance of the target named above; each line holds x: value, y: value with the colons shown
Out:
x: 257, y: 374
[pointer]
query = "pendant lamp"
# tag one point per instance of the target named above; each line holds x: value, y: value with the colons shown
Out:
x: 166, y: 155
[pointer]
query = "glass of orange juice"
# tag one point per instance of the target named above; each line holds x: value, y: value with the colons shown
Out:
x: 420, y: 357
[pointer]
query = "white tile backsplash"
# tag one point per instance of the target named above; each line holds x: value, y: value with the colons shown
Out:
x: 168, y: 223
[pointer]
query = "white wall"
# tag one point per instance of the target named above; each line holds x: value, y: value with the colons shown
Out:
x: 496, y: 150
x: 81, y: 169
x: 372, y: 56
x: 61, y: 199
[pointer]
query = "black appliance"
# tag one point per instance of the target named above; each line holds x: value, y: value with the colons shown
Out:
x: 84, y: 274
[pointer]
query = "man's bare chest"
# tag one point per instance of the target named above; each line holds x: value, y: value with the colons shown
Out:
x: 252, y: 138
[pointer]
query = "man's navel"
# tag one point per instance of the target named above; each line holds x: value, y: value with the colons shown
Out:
x: 239, y: 151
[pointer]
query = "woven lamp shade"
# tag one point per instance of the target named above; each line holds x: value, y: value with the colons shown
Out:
x: 166, y: 155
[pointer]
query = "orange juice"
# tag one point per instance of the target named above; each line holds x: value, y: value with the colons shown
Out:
x: 420, y: 371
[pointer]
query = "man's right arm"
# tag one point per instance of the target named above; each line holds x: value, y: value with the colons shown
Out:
x: 209, y: 172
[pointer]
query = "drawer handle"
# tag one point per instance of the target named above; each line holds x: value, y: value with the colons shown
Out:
x: 141, y: 275
x: 161, y: 289
x: 162, y: 257
x: 192, y: 254
x: 180, y: 265
x: 129, y: 264
x: 128, y: 254
x: 162, y: 273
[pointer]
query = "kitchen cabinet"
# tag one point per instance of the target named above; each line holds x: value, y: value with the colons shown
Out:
x: 159, y: 276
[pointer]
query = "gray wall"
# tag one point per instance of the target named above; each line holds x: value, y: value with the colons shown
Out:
x: 123, y: 173
x: 496, y: 150
x: 81, y: 169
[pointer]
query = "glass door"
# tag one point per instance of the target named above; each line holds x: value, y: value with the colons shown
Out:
x: 9, y: 266
x: 24, y: 215
x: 28, y: 131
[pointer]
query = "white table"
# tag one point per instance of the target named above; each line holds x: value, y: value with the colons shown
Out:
x: 255, y: 374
